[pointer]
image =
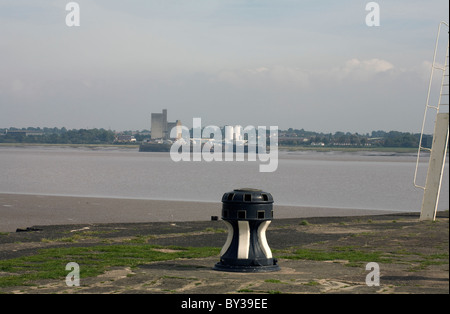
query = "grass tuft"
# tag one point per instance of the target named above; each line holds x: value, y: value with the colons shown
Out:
x: 93, y: 261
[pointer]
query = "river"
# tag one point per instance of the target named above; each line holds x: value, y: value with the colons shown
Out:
x: 363, y: 180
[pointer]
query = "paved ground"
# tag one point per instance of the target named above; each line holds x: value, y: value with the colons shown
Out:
x: 412, y: 256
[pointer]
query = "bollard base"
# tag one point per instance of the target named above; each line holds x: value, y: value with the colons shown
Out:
x: 246, y: 269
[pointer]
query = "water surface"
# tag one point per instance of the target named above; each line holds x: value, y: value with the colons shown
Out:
x: 365, y: 180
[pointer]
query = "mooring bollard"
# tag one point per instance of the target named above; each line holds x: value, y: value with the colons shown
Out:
x: 247, y: 214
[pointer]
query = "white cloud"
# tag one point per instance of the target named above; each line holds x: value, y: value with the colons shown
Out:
x: 263, y: 77
x: 362, y: 69
x: 374, y: 65
x: 285, y: 76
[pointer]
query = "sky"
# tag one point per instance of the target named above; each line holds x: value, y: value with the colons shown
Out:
x: 311, y: 64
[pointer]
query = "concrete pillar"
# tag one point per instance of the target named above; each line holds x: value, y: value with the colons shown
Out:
x: 435, y: 168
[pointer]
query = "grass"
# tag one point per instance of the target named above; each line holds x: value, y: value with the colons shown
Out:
x: 312, y: 283
x: 354, y: 256
x: 93, y: 261
x: 357, y: 256
x: 427, y: 260
x: 273, y: 281
x: 138, y: 239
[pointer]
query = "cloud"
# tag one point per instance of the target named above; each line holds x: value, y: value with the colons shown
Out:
x: 372, y: 65
x: 303, y: 78
x: 278, y: 76
x: 362, y: 69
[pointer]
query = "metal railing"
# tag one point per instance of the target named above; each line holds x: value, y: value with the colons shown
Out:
x: 444, y: 84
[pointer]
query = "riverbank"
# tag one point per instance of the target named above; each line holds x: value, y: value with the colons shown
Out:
x: 316, y: 255
x: 22, y: 211
x: 349, y: 149
x: 399, y: 150
x: 92, y: 146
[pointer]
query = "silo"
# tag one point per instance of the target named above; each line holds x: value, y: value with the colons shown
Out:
x: 237, y: 131
x: 229, y: 130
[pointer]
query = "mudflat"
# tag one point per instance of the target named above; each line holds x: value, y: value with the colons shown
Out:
x: 23, y: 210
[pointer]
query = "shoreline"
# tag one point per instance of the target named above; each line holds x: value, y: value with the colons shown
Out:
x: 18, y: 211
x: 285, y: 148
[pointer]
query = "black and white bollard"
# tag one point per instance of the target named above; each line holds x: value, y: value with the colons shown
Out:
x: 247, y: 214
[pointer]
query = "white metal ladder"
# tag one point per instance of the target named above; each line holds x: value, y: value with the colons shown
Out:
x: 434, y: 175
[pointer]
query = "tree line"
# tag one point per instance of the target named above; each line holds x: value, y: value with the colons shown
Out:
x: 57, y: 136
x: 294, y: 137
x: 289, y: 137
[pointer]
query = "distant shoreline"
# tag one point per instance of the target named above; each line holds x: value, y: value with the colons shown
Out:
x: 130, y: 146
x: 281, y: 148
x: 350, y: 149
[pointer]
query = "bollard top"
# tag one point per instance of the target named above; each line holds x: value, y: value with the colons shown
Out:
x: 247, y: 195
x: 247, y: 204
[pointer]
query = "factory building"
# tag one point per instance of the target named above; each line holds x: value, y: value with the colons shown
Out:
x: 160, y: 128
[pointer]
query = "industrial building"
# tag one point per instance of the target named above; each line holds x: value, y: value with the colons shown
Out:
x: 160, y: 128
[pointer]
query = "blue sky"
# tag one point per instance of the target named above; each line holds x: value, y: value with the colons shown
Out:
x: 303, y: 64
